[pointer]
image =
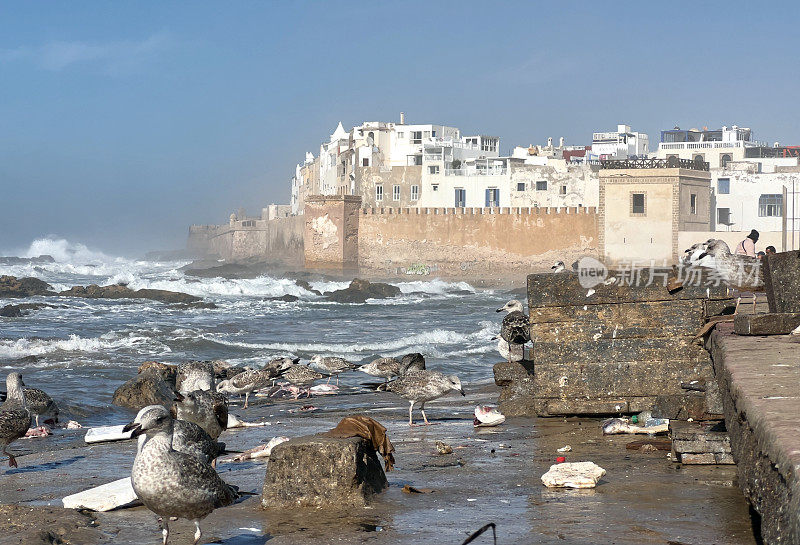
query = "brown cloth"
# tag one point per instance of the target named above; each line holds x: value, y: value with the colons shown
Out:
x: 366, y: 427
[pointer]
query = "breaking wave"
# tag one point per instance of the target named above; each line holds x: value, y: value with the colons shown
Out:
x: 76, y: 344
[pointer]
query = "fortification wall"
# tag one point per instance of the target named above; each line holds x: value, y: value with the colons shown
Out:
x: 278, y: 241
x: 486, y: 242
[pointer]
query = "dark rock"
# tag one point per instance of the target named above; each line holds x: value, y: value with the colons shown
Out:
x: 360, y: 290
x: 322, y: 472
x: 147, y: 388
x: 93, y: 291
x: 11, y: 286
x: 202, y: 305
x: 286, y: 298
x: 14, y: 260
x: 166, y: 371
x: 27, y: 359
x: 15, y: 311
x: 306, y: 286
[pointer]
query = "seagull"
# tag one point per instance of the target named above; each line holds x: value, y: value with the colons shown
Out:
x: 739, y: 272
x: 172, y: 483
x: 40, y: 404
x: 187, y: 437
x: 516, y: 328
x: 209, y: 410
x: 510, y: 352
x: 245, y: 383
x: 332, y: 365
x: 412, y: 362
x: 15, y: 418
x: 195, y: 375
x: 385, y: 368
x: 559, y: 267
x: 421, y: 387
x: 302, y: 376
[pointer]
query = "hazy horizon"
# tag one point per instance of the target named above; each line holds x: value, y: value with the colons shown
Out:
x: 126, y: 123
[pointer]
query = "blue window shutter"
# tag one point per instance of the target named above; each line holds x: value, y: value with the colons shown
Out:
x: 488, y: 197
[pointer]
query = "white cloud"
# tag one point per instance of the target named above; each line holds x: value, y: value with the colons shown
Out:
x: 112, y: 57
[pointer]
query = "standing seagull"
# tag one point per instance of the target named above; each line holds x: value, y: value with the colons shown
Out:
x: 172, y: 483
x: 195, y: 375
x: 738, y: 272
x: 245, y: 383
x: 422, y: 386
x: 412, y: 362
x: 209, y: 410
x: 516, y: 327
x: 40, y: 404
x: 385, y: 368
x: 15, y: 418
x: 187, y: 437
x: 302, y: 376
x: 332, y: 365
x: 559, y: 267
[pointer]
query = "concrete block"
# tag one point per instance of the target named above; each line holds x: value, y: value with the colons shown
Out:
x: 780, y: 323
x: 105, y: 497
x: 573, y: 475
x: 782, y: 281
x: 322, y: 472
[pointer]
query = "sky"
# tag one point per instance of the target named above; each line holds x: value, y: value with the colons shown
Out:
x: 123, y: 123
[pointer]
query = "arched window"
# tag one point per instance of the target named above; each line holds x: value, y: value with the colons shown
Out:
x: 725, y: 159
x: 698, y: 157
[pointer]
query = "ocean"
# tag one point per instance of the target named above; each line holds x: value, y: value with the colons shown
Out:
x: 86, y: 348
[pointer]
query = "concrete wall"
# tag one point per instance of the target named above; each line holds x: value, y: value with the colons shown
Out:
x: 405, y: 177
x: 731, y: 238
x: 484, y: 242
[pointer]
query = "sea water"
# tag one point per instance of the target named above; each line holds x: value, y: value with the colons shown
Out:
x: 86, y: 348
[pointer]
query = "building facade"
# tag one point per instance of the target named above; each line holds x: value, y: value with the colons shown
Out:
x: 716, y: 147
x: 622, y: 144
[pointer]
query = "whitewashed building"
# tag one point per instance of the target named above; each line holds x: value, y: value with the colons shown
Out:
x: 620, y: 144
x: 716, y: 147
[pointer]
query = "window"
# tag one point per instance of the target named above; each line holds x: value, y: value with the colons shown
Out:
x: 693, y: 203
x: 365, y: 162
x: 379, y: 192
x: 395, y: 192
x: 414, y: 160
x: 492, y: 197
x: 724, y: 186
x: 400, y: 135
x: 433, y: 134
x: 638, y: 204
x: 563, y: 190
x: 414, y: 192
x: 724, y: 216
x: 725, y: 158
x: 541, y: 186
x: 770, y: 205
x: 520, y: 186
x: 698, y: 157
x: 435, y: 187
x: 427, y: 134
x: 416, y: 137
x: 461, y: 197
x: 433, y: 169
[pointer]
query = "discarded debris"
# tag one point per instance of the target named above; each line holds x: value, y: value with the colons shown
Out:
x: 235, y: 422
x: 565, y: 448
x: 72, y: 425
x: 324, y: 389
x: 41, y: 431
x: 443, y: 448
x: 261, y: 451
x: 304, y: 409
x: 480, y: 531
x: 107, y: 433
x: 486, y: 416
x: 658, y: 444
x: 408, y: 489
x: 573, y: 475
x: 614, y: 426
x: 105, y: 497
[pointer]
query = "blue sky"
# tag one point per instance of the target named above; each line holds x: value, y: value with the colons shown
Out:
x: 122, y: 123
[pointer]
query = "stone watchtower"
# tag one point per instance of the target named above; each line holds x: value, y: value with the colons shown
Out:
x: 644, y: 203
x: 331, y: 232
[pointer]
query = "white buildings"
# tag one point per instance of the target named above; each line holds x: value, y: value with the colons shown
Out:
x: 716, y: 147
x: 621, y: 144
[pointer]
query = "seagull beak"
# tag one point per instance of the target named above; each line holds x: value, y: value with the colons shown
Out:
x: 499, y: 310
x: 178, y: 397
x: 134, y: 427
x: 701, y: 256
x: 462, y: 392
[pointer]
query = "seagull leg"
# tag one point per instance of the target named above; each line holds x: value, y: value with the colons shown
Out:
x: 37, y: 420
x: 329, y: 379
x: 410, y: 419
x: 246, y: 397
x: 736, y: 310
x: 12, y: 462
x: 197, y: 532
x: 422, y: 409
x: 164, y: 530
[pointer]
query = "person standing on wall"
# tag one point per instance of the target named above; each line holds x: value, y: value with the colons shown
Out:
x: 748, y: 245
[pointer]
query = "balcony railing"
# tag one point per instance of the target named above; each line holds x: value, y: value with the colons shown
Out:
x: 498, y: 171
x: 701, y: 145
x: 670, y: 162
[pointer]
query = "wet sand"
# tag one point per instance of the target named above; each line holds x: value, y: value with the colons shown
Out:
x: 492, y: 476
